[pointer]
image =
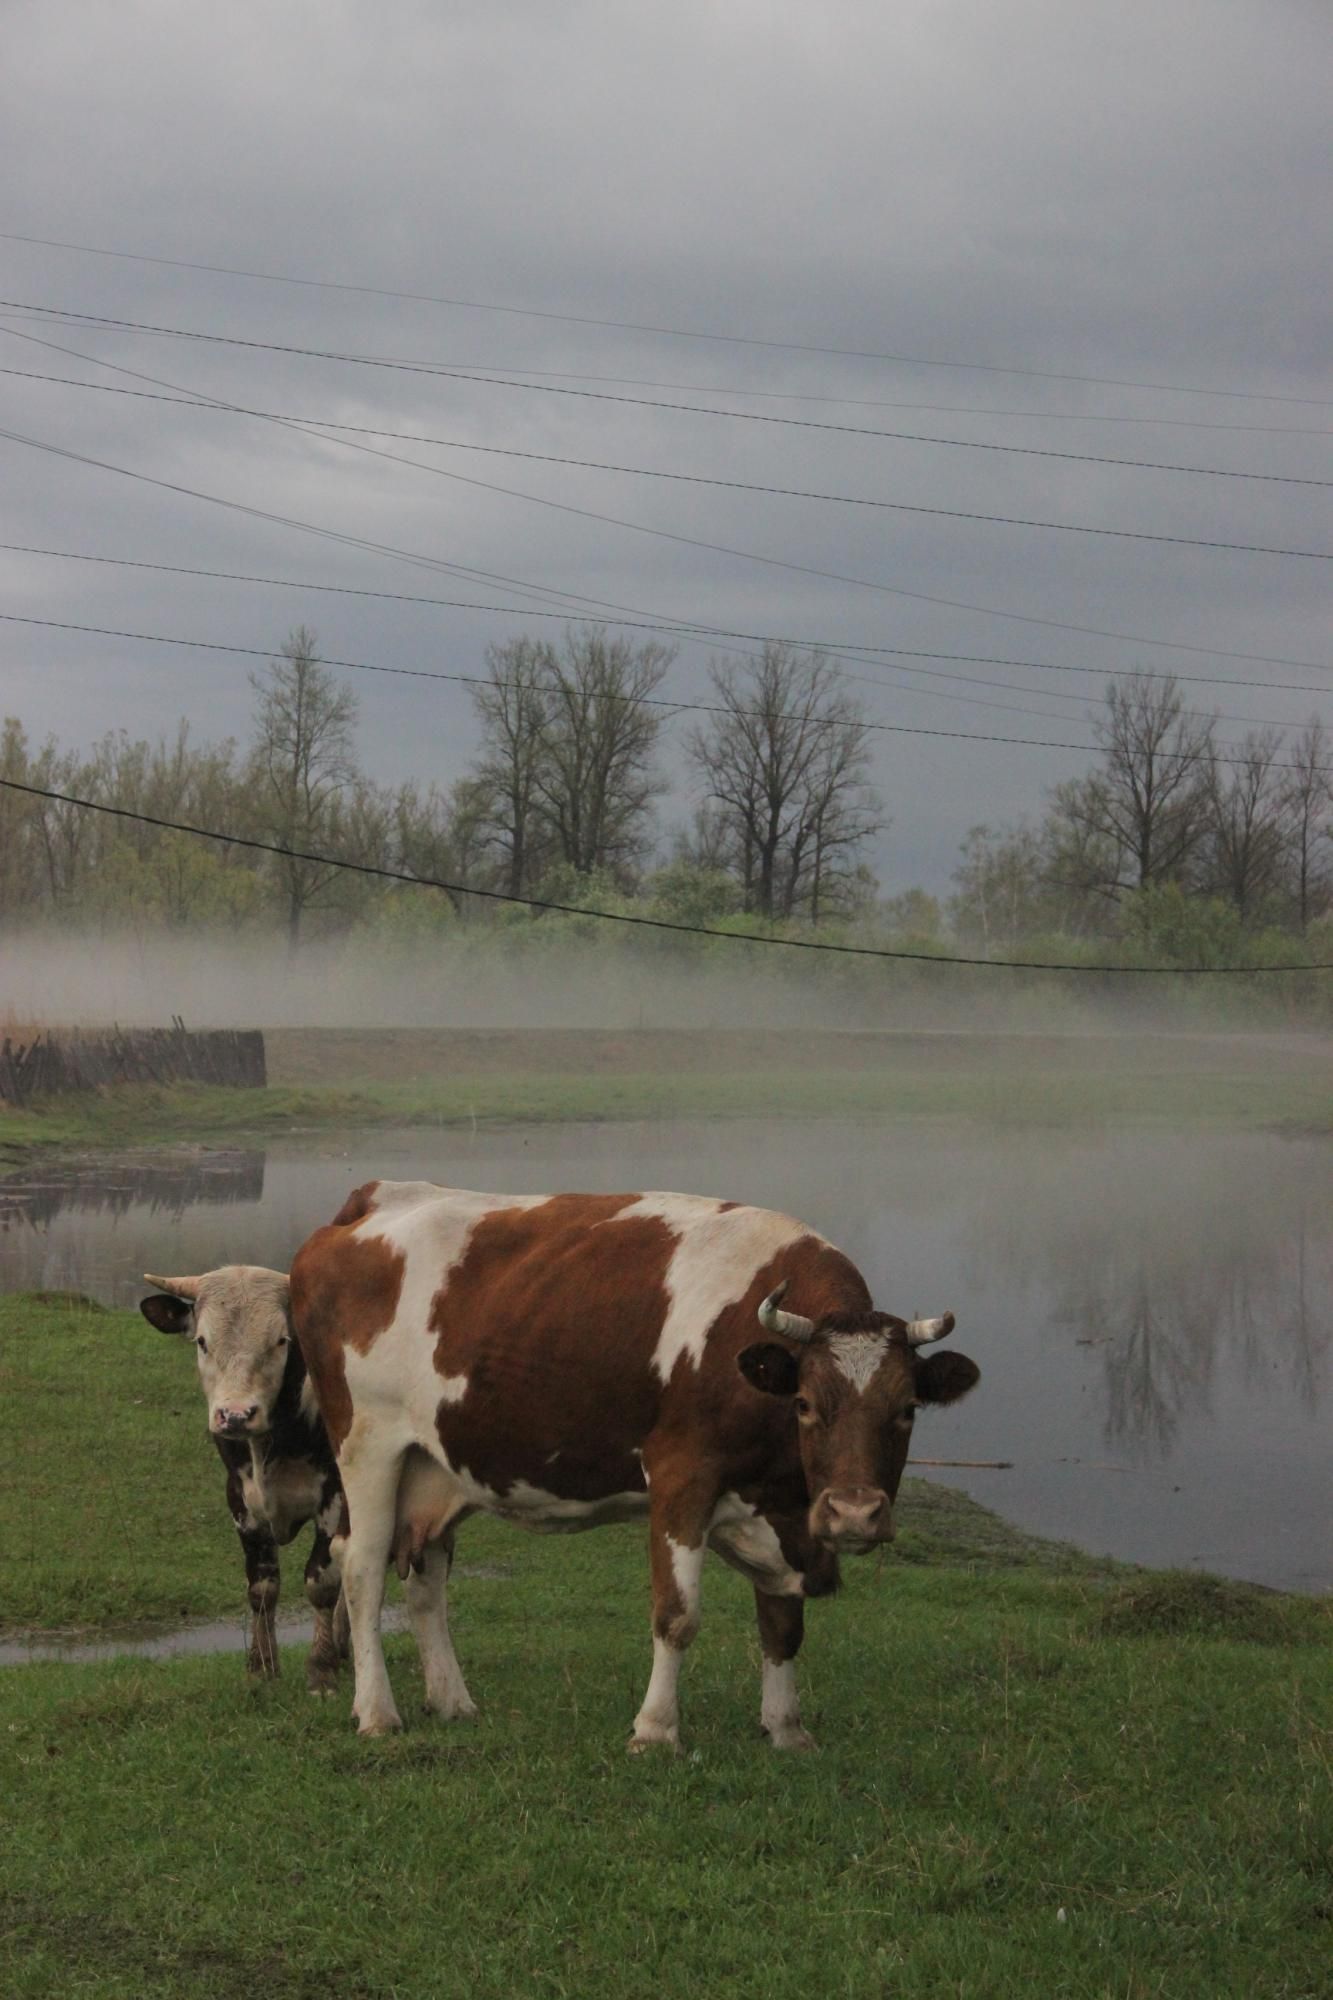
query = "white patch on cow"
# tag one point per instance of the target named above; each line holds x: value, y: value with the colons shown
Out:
x: 857, y: 1356
x: 551, y: 1513
x: 431, y: 1228
x: 658, y: 1721
x: 712, y: 1266
x: 740, y: 1535
x: 780, y: 1708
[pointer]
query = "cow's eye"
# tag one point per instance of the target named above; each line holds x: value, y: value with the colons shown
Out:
x: 803, y: 1406
x: 281, y: 1340
x: 201, y: 1343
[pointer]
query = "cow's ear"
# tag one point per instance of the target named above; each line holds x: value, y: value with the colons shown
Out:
x: 769, y: 1367
x: 945, y: 1377
x: 168, y: 1315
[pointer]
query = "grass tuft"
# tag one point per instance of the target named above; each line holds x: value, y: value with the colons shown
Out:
x: 1176, y: 1603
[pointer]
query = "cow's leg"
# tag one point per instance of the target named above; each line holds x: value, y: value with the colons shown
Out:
x: 323, y: 1587
x: 262, y: 1579
x: 750, y: 1542
x: 677, y: 1526
x: 781, y: 1629
x: 370, y: 1485
x: 427, y: 1589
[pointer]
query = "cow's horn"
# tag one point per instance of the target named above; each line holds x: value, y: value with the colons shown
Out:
x: 794, y: 1325
x: 180, y: 1288
x: 920, y: 1332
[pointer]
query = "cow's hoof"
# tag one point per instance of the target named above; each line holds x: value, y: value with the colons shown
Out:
x: 453, y: 1711
x: 379, y: 1725
x: 667, y: 1741
x: 792, y: 1738
x: 322, y: 1689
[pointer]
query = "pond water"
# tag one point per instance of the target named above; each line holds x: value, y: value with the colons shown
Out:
x: 1153, y: 1315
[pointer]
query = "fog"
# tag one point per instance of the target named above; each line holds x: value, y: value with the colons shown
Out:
x: 514, y: 978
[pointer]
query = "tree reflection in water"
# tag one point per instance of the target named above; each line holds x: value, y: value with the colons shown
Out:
x: 1185, y: 1263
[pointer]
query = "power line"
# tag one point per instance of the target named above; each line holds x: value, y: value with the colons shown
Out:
x: 647, y: 701
x: 60, y: 315
x: 672, y: 332
x: 482, y: 371
x: 717, y: 548
x: 653, y: 473
x: 852, y: 647
x: 647, y: 403
x: 623, y: 917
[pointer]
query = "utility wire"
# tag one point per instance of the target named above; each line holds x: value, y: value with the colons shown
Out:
x: 623, y: 917
x: 483, y: 370
x: 848, y: 647
x: 693, y: 409
x: 60, y: 315
x: 314, y: 424
x: 887, y: 589
x: 673, y: 332
x: 647, y: 701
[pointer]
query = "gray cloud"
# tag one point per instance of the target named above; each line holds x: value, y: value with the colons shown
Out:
x: 1104, y: 191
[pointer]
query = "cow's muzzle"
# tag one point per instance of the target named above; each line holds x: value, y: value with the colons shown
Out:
x: 853, y: 1519
x: 236, y: 1422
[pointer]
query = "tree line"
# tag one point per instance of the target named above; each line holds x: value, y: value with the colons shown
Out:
x: 1168, y: 834
x: 1167, y: 841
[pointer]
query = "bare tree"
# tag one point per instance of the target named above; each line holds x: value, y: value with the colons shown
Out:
x: 999, y: 885
x: 1308, y: 796
x: 1248, y: 815
x: 1142, y: 816
x: 514, y: 711
x: 597, y: 779
x: 302, y: 760
x: 784, y: 773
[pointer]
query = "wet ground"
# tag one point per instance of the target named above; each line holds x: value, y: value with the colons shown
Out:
x: 1153, y: 1315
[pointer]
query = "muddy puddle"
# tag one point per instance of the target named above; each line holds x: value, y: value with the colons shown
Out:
x: 1153, y: 1314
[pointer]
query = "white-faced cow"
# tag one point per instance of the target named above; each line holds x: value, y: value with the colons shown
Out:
x: 566, y: 1360
x: 264, y: 1421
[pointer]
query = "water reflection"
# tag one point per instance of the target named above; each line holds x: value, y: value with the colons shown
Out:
x: 1178, y: 1266
x: 164, y: 1186
x: 53, y: 1221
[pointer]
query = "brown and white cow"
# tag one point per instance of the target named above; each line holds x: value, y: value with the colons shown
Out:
x: 264, y: 1421
x: 571, y: 1359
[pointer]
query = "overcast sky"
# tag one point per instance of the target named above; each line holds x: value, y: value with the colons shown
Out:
x: 831, y: 209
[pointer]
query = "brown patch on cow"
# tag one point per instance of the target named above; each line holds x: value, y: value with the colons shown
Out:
x: 725, y: 1207
x: 358, y: 1205
x: 344, y: 1293
x: 781, y: 1622
x: 516, y: 1315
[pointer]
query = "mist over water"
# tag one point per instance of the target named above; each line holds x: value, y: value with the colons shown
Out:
x: 526, y: 975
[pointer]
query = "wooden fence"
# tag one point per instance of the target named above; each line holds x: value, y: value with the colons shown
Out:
x: 52, y: 1063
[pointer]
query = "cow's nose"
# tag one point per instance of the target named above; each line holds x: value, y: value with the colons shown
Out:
x: 236, y: 1419
x: 857, y: 1514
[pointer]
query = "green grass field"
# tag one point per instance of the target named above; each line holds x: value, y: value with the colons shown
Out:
x: 1038, y: 1775
x: 1192, y: 1099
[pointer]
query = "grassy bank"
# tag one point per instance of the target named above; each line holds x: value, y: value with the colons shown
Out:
x: 1183, y: 1096
x: 1038, y: 1774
